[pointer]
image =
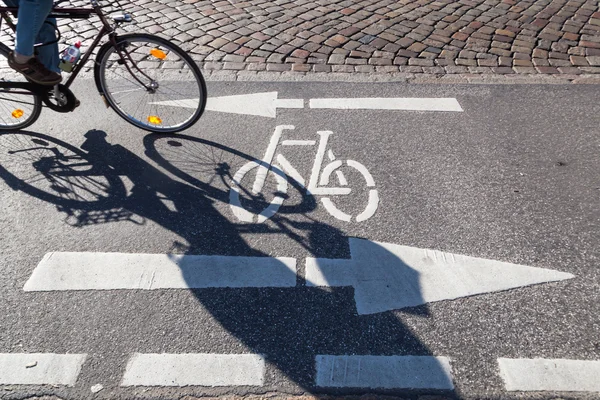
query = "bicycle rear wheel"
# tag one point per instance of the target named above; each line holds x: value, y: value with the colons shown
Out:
x: 158, y: 88
x: 19, y: 108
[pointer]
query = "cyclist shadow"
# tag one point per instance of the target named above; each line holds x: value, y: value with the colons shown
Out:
x: 290, y: 325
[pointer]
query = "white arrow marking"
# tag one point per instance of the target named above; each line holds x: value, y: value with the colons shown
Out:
x: 194, y: 369
x: 106, y: 271
x: 384, y: 276
x: 388, y: 276
x: 260, y: 104
x: 550, y: 375
x: 384, y: 372
x: 266, y: 104
x: 398, y: 103
x: 40, y: 368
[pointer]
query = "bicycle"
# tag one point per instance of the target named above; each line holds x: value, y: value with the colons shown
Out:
x: 171, y: 87
x: 317, y: 184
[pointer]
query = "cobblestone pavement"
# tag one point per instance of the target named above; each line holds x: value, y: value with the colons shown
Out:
x: 474, y: 39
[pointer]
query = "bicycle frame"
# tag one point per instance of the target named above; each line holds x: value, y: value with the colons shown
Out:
x: 312, y: 187
x: 81, y: 13
x: 317, y: 185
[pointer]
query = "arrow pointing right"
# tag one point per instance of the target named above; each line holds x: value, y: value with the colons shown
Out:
x: 388, y: 276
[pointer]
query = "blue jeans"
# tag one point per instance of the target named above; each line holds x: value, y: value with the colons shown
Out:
x: 35, y: 27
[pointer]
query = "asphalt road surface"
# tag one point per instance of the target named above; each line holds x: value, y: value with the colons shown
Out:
x: 512, y: 178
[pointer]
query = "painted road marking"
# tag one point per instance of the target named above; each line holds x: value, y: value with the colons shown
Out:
x: 406, y: 104
x: 388, y: 276
x: 266, y: 104
x: 550, y: 375
x: 265, y: 167
x: 384, y: 276
x: 40, y: 368
x: 384, y: 372
x: 259, y: 104
x: 106, y: 271
x: 194, y: 369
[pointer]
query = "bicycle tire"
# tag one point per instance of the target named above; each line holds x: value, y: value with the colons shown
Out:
x: 17, y: 110
x: 372, y: 203
x: 240, y: 210
x: 57, y: 172
x: 159, y: 60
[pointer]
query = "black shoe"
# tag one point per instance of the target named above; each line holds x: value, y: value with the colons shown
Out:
x: 34, y: 71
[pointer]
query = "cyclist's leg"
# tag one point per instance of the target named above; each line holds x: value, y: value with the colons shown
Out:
x: 48, y: 55
x: 32, y: 14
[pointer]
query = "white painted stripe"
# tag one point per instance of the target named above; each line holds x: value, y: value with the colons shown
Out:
x: 290, y: 170
x: 550, y: 375
x: 40, y: 368
x: 384, y: 372
x: 408, y: 104
x: 325, y: 272
x: 106, y: 271
x: 194, y: 369
x: 298, y: 143
x: 183, y: 103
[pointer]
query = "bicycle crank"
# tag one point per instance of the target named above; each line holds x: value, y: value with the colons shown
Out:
x: 59, y: 98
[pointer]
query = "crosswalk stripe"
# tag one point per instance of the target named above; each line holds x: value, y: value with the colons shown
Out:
x: 550, y: 374
x: 106, y: 271
x: 384, y: 372
x: 194, y: 370
x: 40, y: 368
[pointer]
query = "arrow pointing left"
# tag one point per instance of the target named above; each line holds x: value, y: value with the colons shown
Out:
x: 259, y: 104
x: 266, y: 104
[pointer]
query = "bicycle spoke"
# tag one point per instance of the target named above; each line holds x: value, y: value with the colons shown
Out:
x: 142, y: 104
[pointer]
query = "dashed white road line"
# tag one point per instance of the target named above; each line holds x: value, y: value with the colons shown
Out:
x: 384, y: 372
x: 40, y: 368
x: 550, y: 375
x: 106, y: 271
x: 194, y: 370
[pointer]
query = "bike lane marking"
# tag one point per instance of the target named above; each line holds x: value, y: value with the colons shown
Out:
x: 560, y: 375
x: 194, y: 369
x: 317, y: 183
x: 383, y: 372
x: 40, y: 368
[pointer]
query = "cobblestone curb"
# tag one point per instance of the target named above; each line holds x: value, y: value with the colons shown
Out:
x: 491, y: 79
x: 432, y: 37
x: 464, y: 41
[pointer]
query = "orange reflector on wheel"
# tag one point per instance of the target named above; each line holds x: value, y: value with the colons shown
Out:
x: 153, y: 119
x: 158, y: 54
x: 18, y: 113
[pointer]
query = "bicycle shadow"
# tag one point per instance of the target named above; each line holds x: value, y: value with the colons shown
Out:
x: 290, y: 325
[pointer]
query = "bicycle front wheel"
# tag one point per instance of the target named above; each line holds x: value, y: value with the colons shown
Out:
x: 19, y: 108
x: 156, y: 86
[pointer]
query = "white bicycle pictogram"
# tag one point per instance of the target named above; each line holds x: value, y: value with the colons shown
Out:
x: 317, y: 184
